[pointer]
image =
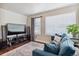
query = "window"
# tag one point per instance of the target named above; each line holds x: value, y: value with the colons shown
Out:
x: 37, y: 26
x: 58, y: 23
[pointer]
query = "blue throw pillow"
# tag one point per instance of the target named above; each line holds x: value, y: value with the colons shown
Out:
x: 63, y: 35
x: 52, y: 48
x: 67, y: 48
x: 64, y: 38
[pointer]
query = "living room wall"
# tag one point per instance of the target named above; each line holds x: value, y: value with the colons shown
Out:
x: 62, y: 10
x: 7, y: 16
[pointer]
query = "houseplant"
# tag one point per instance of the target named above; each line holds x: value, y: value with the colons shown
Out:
x: 73, y: 29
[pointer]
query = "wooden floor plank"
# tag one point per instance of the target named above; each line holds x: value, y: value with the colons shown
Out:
x: 13, y: 47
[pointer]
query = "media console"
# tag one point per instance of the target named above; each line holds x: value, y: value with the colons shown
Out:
x: 15, y: 33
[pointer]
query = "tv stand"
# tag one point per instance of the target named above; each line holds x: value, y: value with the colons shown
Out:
x: 11, y: 35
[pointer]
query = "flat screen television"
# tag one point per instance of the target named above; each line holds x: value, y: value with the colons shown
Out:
x: 15, y: 29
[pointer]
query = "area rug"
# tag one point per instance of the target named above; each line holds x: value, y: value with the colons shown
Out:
x: 25, y: 50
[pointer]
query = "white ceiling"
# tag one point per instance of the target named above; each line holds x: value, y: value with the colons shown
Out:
x: 31, y: 8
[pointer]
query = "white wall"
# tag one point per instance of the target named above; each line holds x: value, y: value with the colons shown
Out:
x: 11, y: 17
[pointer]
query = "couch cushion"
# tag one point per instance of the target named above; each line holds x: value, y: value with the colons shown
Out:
x: 52, y: 48
x: 67, y: 48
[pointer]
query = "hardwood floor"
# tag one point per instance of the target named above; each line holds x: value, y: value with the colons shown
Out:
x: 13, y: 47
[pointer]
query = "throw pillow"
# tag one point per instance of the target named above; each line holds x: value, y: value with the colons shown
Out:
x: 57, y: 40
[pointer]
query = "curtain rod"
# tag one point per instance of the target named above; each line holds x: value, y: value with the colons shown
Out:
x: 37, y: 17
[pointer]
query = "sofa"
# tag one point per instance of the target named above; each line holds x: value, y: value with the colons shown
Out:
x: 65, y: 48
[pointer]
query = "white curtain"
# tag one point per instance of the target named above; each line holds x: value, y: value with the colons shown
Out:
x: 37, y: 26
x: 59, y: 23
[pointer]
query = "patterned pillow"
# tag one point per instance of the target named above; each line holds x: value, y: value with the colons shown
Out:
x: 57, y: 40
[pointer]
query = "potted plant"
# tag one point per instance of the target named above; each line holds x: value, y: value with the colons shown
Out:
x: 73, y: 29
